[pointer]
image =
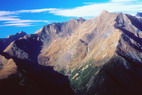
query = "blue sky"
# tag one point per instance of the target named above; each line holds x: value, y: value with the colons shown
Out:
x: 31, y: 15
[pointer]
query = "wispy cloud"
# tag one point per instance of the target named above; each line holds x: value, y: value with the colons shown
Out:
x: 123, y: 0
x: 25, y: 21
x: 36, y: 10
x: 92, y: 10
x: 10, y: 18
x: 3, y: 13
x: 16, y: 21
x: 7, y: 13
x: 18, y: 24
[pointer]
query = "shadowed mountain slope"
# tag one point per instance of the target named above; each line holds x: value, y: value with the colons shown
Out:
x: 32, y: 78
x: 6, y: 41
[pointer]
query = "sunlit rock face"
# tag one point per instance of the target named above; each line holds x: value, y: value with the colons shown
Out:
x: 101, y: 56
x: 59, y: 30
x: 110, y: 40
x: 7, y: 67
x: 95, y: 39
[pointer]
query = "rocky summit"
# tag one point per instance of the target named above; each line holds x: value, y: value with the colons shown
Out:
x: 139, y: 14
x: 4, y: 42
x: 98, y: 56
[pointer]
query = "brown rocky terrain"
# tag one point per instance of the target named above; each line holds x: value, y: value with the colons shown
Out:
x: 101, y: 56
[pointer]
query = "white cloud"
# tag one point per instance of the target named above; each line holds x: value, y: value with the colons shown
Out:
x: 36, y: 10
x: 123, y: 0
x: 15, y: 21
x: 10, y: 18
x: 25, y: 21
x: 93, y: 10
x: 2, y: 13
x: 18, y: 24
x: 5, y: 13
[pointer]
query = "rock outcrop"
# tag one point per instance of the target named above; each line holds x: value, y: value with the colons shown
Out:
x: 4, y: 42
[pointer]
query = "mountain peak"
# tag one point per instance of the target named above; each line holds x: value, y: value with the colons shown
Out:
x: 104, y: 12
x: 6, y: 41
x: 22, y: 33
x: 139, y: 14
x: 81, y: 19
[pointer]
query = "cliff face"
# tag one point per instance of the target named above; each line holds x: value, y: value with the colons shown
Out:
x: 101, y: 56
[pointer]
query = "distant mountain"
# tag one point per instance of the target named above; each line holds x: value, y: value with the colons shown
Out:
x: 139, y: 14
x: 6, y: 41
x: 101, y: 56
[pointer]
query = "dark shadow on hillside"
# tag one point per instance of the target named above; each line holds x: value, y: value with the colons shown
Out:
x: 135, y: 21
x: 39, y: 80
x: 4, y: 42
x: 132, y: 36
x: 114, y: 79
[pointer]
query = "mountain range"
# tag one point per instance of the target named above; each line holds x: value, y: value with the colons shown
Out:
x: 98, y: 56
